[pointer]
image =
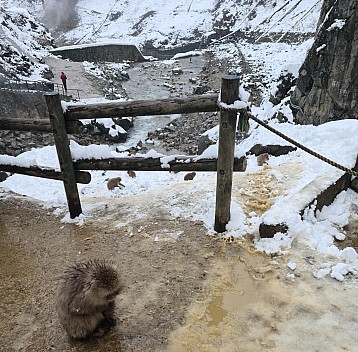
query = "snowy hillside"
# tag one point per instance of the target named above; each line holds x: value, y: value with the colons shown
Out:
x: 170, y: 23
x: 24, y: 43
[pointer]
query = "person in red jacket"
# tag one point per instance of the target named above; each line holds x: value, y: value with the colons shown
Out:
x: 64, y: 79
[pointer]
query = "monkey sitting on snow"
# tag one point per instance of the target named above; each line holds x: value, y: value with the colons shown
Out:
x: 85, y: 297
x: 190, y: 176
x: 112, y: 183
x: 262, y: 159
x: 131, y: 173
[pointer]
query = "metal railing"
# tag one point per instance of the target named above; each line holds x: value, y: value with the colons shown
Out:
x: 27, y: 85
x: 38, y: 86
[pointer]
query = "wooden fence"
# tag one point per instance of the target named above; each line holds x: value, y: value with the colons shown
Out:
x: 63, y: 123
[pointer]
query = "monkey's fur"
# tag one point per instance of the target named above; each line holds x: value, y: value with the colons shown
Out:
x: 131, y: 173
x: 85, y: 297
x: 114, y: 182
x: 262, y: 159
x: 189, y: 176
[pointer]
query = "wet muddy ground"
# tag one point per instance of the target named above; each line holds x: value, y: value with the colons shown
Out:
x: 161, y: 278
x: 185, y: 290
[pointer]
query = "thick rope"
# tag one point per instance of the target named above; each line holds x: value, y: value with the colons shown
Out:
x: 288, y: 139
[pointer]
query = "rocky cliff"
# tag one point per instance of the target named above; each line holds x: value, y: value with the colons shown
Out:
x: 327, y: 86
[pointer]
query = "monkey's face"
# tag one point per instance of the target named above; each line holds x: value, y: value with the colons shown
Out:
x: 101, y: 296
x: 106, y: 284
x: 112, y: 296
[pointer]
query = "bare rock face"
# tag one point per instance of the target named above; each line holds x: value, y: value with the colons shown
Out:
x: 25, y: 105
x: 327, y: 86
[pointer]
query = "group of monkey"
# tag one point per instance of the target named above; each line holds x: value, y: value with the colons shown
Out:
x: 114, y: 182
x: 85, y: 300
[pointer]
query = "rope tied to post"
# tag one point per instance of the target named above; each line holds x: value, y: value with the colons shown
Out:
x: 243, y: 110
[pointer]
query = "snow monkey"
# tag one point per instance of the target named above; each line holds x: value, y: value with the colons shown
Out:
x: 131, y: 173
x: 85, y: 298
x: 189, y: 176
x: 114, y: 182
x: 262, y: 159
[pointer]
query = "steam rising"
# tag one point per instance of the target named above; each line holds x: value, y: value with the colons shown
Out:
x: 60, y: 15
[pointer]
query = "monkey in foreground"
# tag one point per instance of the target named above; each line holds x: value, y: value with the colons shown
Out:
x: 131, y: 173
x: 189, y: 176
x: 262, y: 159
x: 85, y: 298
x: 114, y: 182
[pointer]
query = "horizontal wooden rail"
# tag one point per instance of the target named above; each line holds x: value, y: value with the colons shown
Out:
x: 32, y: 125
x: 200, y: 103
x: 37, y: 125
x: 155, y: 164
x: 81, y: 176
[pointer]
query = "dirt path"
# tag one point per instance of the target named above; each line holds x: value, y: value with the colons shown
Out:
x: 78, y: 81
x: 184, y: 290
x: 161, y: 277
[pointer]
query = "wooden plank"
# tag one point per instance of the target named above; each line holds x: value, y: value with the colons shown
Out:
x: 227, y: 132
x: 63, y: 152
x: 200, y: 103
x: 354, y: 184
x: 155, y: 164
x: 37, y: 125
x: 325, y: 197
x: 81, y: 176
x: 31, y: 125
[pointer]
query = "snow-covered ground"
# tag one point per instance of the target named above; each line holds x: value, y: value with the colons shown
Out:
x: 287, y: 178
x: 173, y: 22
x: 24, y: 42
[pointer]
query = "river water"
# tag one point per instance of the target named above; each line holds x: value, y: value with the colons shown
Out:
x: 159, y: 80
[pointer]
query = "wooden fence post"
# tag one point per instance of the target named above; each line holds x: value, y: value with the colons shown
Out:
x: 63, y: 153
x: 227, y: 132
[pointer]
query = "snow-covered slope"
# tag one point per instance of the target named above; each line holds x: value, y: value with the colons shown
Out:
x: 24, y: 41
x: 170, y: 23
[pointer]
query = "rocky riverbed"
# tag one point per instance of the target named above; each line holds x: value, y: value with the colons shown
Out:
x: 153, y: 80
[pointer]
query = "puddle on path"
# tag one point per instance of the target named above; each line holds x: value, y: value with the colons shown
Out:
x: 233, y: 284
x: 230, y: 298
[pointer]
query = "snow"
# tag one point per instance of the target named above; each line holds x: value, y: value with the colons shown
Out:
x: 321, y: 48
x: 99, y: 43
x: 292, y: 265
x: 339, y: 24
x: 187, y: 54
x: 22, y: 35
x: 172, y: 22
x: 238, y: 104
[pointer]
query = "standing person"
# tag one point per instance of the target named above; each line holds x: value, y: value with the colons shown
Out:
x: 64, y: 79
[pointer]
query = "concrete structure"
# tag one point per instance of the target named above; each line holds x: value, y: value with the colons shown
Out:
x: 100, y: 52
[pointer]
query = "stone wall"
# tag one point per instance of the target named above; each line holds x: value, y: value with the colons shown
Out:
x: 100, y: 53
